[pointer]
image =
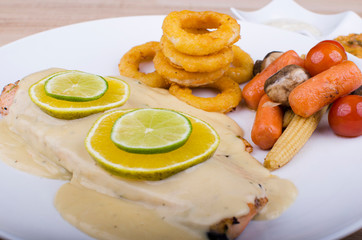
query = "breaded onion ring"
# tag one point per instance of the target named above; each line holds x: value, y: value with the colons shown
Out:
x: 206, y: 63
x: 196, y: 30
x: 243, y: 64
x: 129, y: 65
x: 182, y: 77
x: 224, y: 102
x: 227, y: 31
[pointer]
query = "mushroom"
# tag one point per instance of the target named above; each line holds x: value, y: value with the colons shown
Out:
x: 358, y: 91
x: 260, y: 65
x: 257, y: 67
x: 279, y: 85
x: 269, y: 58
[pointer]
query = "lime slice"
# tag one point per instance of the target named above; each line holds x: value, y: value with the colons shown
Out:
x: 199, y: 147
x: 116, y: 95
x: 151, y: 131
x: 75, y: 86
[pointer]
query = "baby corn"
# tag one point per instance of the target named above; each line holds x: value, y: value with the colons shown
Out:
x: 288, y: 116
x: 292, y: 140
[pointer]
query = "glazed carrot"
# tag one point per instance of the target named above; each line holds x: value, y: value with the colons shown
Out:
x: 325, y: 87
x: 254, y: 90
x: 268, y: 124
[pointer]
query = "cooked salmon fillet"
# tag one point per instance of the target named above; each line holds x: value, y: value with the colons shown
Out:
x: 7, y: 97
x: 231, y: 228
x: 228, y: 227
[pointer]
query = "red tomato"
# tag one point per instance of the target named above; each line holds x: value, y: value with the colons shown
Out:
x: 345, y: 116
x: 323, y: 56
x: 335, y: 43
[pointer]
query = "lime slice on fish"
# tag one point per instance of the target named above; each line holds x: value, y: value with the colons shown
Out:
x: 151, y: 131
x: 75, y: 86
x: 200, y: 146
x: 117, y: 94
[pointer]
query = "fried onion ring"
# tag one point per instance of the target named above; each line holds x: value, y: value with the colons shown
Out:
x: 182, y: 77
x: 243, y: 64
x: 227, y: 31
x: 206, y: 63
x: 129, y: 65
x: 196, y: 30
x: 224, y: 102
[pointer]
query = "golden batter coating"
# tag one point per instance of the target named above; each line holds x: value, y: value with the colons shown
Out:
x: 352, y: 43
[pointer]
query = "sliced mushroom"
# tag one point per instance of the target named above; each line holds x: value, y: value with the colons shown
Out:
x: 358, y: 91
x: 269, y: 58
x: 257, y: 67
x: 260, y: 65
x: 279, y: 85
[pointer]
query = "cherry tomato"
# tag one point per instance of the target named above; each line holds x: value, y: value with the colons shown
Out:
x: 345, y: 116
x: 323, y: 56
x: 338, y: 44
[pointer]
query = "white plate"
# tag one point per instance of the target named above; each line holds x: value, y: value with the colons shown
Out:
x: 326, y: 171
x: 288, y: 14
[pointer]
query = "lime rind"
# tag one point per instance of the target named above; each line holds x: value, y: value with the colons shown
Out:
x: 153, y: 174
x: 74, y: 110
x: 95, y: 84
x: 135, y: 137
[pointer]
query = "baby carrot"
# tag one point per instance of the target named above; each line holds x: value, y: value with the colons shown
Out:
x: 268, y: 124
x: 325, y: 87
x: 254, y: 90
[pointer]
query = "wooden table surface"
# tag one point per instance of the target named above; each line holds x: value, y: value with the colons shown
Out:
x: 20, y: 18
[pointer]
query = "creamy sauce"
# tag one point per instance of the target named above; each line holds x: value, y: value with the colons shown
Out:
x: 183, y: 206
x: 15, y: 152
x: 296, y: 26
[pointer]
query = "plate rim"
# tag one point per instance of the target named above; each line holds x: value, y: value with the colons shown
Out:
x: 355, y: 226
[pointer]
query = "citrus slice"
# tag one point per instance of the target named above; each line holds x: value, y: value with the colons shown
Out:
x: 116, y: 95
x: 199, y: 147
x: 75, y: 86
x: 151, y: 130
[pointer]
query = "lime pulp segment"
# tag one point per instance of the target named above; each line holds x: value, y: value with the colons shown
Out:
x: 75, y: 86
x: 151, y: 131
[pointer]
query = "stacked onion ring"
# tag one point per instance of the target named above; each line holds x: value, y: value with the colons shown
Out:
x: 196, y: 50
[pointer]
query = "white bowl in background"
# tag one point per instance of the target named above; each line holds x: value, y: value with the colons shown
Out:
x: 288, y: 15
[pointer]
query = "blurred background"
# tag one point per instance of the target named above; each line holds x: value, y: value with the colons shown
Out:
x: 20, y: 18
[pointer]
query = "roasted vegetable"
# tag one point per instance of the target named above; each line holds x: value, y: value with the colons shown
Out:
x: 292, y: 140
x: 278, y: 86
